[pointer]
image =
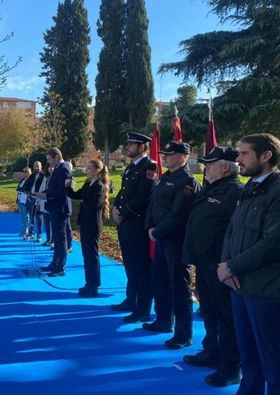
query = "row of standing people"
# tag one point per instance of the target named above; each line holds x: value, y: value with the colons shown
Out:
x: 33, y: 211
x: 229, y: 233
x: 147, y: 209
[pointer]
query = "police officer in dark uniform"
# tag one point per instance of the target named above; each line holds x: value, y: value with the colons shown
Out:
x: 129, y: 213
x: 166, y: 220
x: 211, y: 213
x: 58, y: 207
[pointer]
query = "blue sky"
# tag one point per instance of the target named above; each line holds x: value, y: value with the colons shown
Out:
x: 170, y: 21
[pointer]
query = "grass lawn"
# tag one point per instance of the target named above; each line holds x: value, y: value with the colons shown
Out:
x: 109, y: 245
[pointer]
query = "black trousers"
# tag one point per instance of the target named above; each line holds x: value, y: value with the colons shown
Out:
x: 135, y: 247
x: 171, y: 287
x: 90, y: 243
x: 58, y: 222
x: 257, y: 324
x: 69, y: 233
x: 215, y: 305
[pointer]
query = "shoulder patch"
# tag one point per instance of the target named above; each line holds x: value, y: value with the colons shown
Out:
x: 151, y: 174
x: 190, y: 187
x: 188, y: 190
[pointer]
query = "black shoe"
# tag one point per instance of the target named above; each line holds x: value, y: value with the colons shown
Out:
x: 86, y: 292
x: 157, y: 327
x: 202, y: 358
x: 222, y: 379
x: 123, y: 306
x: 38, y: 239
x: 136, y: 317
x: 47, y: 243
x: 48, y: 268
x: 176, y: 343
x: 57, y: 272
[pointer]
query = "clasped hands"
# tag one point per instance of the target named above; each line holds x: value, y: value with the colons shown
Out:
x: 226, y: 277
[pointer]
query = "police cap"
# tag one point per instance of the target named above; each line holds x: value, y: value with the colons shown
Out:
x: 176, y: 147
x: 135, y: 137
x: 219, y: 153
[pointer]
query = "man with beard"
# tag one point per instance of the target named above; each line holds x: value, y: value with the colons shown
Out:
x: 251, y: 265
x: 208, y: 221
x: 129, y: 213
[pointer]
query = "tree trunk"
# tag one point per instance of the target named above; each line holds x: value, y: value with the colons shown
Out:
x: 106, y: 152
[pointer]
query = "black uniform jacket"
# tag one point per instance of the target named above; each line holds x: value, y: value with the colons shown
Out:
x: 137, y: 185
x: 56, y: 195
x: 252, y: 241
x: 209, y: 218
x: 92, y: 205
x: 171, y: 203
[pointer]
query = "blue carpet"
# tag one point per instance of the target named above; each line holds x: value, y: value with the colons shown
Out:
x: 53, y: 342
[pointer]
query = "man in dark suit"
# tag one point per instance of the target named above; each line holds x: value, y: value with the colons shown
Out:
x: 57, y: 206
x: 129, y: 213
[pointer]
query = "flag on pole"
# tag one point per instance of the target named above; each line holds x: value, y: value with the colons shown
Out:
x: 154, y: 155
x: 176, y: 126
x: 155, y: 148
x: 211, y: 139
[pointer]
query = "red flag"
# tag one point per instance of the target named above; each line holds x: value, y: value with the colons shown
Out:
x: 211, y: 139
x: 154, y: 155
x: 155, y: 148
x: 176, y: 126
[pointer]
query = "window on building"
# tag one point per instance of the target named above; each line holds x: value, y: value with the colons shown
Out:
x: 24, y: 105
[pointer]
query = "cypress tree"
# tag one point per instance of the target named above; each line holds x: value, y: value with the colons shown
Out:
x: 110, y: 89
x: 64, y: 59
x: 139, y: 81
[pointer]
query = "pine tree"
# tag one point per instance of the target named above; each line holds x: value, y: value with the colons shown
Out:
x: 65, y: 58
x: 139, y: 81
x: 110, y: 89
x: 244, y: 64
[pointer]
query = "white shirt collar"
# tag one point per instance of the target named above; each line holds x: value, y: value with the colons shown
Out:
x: 262, y: 178
x: 136, y: 161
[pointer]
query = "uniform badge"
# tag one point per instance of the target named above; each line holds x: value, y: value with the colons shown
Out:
x: 188, y: 190
x: 212, y: 200
x: 151, y: 174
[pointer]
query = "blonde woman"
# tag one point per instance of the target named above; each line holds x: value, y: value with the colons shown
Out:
x: 93, y: 208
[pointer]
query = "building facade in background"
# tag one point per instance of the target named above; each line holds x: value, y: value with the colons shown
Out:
x: 28, y: 106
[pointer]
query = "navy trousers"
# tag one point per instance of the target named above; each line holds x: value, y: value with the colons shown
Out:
x: 135, y: 244
x: 90, y: 242
x: 58, y: 222
x: 257, y: 324
x: 171, y: 287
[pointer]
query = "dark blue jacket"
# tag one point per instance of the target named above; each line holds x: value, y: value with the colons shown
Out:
x: 252, y: 240
x: 209, y: 218
x: 57, y: 201
x: 171, y: 203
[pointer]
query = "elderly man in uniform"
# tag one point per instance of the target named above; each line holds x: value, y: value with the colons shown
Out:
x: 129, y: 213
x: 208, y: 221
x: 166, y: 221
x: 251, y: 266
